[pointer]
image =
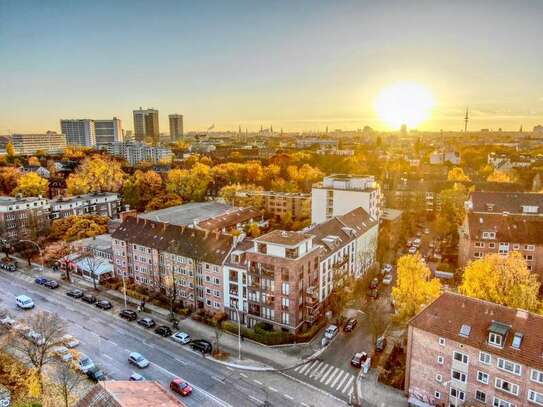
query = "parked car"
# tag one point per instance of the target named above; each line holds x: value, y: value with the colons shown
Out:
x: 7, y: 321
x: 52, y: 284
x: 417, y: 242
x: 359, y: 359
x: 24, y: 302
x: 35, y: 337
x: 70, y: 341
x: 40, y: 280
x: 75, y: 293
x: 380, y: 344
x: 374, y: 283
x: 137, y: 359
x: 95, y: 374
x: 147, y: 322
x: 387, y: 279
x: 180, y: 386
x: 88, y: 298
x: 135, y: 377
x: 164, y: 331
x: 201, y: 345
x: 62, y: 353
x: 412, y: 250
x: 387, y: 268
x: 374, y: 293
x: 426, y: 231
x: 350, y: 324
x: 181, y: 337
x: 128, y: 314
x: 8, y: 266
x: 84, y: 363
x: 331, y: 331
x: 104, y: 304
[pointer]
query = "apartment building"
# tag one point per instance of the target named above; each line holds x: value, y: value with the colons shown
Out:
x: 150, y: 252
x: 136, y: 152
x: 103, y: 203
x: 27, y: 144
x: 235, y: 282
x: 176, y: 127
x: 440, y: 157
x: 276, y: 204
x: 21, y: 218
x: 339, y: 193
x: 282, y: 280
x: 146, y: 125
x: 502, y: 222
x: 79, y: 132
x: 462, y: 351
x: 108, y: 131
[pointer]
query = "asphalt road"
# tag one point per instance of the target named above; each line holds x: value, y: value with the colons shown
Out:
x: 108, y: 340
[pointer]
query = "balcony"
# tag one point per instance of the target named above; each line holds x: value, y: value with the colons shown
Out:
x: 234, y: 293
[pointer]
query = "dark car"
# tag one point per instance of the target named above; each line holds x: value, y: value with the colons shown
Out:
x: 128, y: 314
x: 40, y: 280
x: 380, y: 344
x: 147, y: 322
x: 201, y: 345
x: 52, y: 284
x: 358, y: 359
x: 95, y: 374
x: 8, y: 266
x: 88, y: 298
x: 75, y: 293
x: 104, y: 304
x: 373, y: 293
x: 164, y: 331
x: 374, y: 283
x: 350, y: 324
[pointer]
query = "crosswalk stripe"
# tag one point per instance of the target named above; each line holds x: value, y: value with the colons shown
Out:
x: 325, y: 374
x: 347, y: 384
x: 342, y: 381
x: 331, y: 377
x: 341, y: 372
x: 313, y: 365
x: 351, y: 391
x: 317, y: 368
x: 299, y: 368
x: 306, y: 366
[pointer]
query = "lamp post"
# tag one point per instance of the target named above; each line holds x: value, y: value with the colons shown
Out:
x: 124, y: 290
x: 239, y: 331
x: 39, y: 250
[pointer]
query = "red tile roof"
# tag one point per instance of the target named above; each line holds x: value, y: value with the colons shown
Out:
x: 283, y: 237
x: 508, y: 228
x: 230, y: 219
x: 446, y: 315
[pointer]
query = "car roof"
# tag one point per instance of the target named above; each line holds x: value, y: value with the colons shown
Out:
x: 23, y: 297
x: 135, y: 354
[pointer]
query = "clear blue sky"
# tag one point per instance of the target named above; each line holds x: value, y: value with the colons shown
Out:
x: 293, y: 64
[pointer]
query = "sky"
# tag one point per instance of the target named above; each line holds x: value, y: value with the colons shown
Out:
x: 297, y: 65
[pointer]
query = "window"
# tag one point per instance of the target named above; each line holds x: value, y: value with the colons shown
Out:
x: 285, y: 318
x: 457, y: 394
x: 479, y: 244
x: 285, y: 288
x: 509, y: 366
x: 482, y: 377
x: 440, y: 360
x: 480, y: 396
x: 529, y: 247
x: 495, y: 339
x: 489, y: 235
x: 536, y: 376
x: 528, y: 257
x: 478, y: 255
x: 535, y: 397
x: 437, y: 395
x: 516, y: 246
x: 485, y: 358
x: 458, y: 376
x: 497, y: 402
x: 506, y: 386
x: 492, y: 245
x: 461, y: 357
x: 439, y: 378
x: 441, y: 341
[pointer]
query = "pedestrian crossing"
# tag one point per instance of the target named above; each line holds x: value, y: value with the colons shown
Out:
x: 327, y: 375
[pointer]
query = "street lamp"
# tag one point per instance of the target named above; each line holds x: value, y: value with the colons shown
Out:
x: 39, y: 250
x: 239, y: 331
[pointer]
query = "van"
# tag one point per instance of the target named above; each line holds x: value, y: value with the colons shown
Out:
x: 24, y: 302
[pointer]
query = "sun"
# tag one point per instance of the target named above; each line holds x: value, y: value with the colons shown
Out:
x: 404, y: 103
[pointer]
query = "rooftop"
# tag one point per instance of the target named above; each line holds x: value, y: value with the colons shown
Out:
x: 230, y: 219
x: 512, y: 202
x: 283, y: 237
x: 450, y: 315
x: 9, y: 200
x: 508, y: 228
x: 100, y: 242
x: 188, y: 213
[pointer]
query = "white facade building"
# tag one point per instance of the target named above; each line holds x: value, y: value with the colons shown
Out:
x: 108, y: 131
x: 442, y: 157
x: 51, y: 141
x: 339, y: 194
x: 79, y: 132
x: 134, y: 152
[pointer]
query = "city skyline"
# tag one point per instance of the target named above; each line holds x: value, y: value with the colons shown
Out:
x: 300, y: 68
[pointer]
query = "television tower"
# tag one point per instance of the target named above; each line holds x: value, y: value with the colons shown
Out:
x: 466, y: 120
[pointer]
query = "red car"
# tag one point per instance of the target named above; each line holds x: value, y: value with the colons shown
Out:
x: 180, y: 386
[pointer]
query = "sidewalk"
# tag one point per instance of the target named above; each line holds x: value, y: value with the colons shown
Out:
x: 372, y: 393
x: 253, y: 354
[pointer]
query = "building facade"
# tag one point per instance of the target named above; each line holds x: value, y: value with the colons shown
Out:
x: 462, y: 351
x: 27, y: 144
x: 276, y: 204
x: 339, y: 194
x: 136, y: 152
x: 146, y: 125
x: 79, y: 132
x: 108, y: 131
x: 104, y: 203
x: 176, y: 127
x: 23, y: 218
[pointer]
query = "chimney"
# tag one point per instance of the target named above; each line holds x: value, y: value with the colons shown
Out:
x: 522, y: 314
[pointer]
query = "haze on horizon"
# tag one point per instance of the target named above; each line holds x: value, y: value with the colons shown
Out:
x: 297, y: 66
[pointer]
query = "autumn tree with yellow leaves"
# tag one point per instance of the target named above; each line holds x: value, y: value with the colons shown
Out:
x: 504, y: 280
x: 140, y: 189
x: 96, y: 174
x: 191, y: 185
x: 8, y: 179
x: 457, y: 174
x: 77, y: 227
x: 414, y: 287
x: 31, y: 184
x: 501, y: 177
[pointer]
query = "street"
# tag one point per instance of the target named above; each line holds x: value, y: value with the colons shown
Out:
x: 108, y: 340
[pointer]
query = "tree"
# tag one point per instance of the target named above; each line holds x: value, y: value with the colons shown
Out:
x: 253, y: 230
x: 500, y: 176
x: 457, y: 174
x: 504, y: 280
x: 96, y: 174
x: 34, y: 161
x: 9, y: 177
x: 35, y: 345
x: 169, y: 283
x: 31, y: 184
x: 65, y: 382
x: 218, y: 320
x: 191, y: 184
x: 10, y: 151
x: 92, y: 263
x: 141, y: 188
x: 376, y: 317
x: 77, y: 227
x: 414, y: 287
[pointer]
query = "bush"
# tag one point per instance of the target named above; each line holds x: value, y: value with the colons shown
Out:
x: 259, y: 334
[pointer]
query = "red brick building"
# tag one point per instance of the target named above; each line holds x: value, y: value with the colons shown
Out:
x: 463, y: 351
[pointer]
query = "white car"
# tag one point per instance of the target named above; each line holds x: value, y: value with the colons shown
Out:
x: 70, y: 341
x: 62, y: 352
x: 24, y: 302
x: 35, y: 337
x: 412, y: 250
x: 387, y: 279
x: 135, y: 358
x: 331, y: 331
x: 181, y: 337
x: 417, y: 242
x: 85, y: 363
x: 387, y: 268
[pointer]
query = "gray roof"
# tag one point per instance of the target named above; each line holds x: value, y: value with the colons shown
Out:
x: 100, y: 242
x: 498, y: 202
x: 186, y: 214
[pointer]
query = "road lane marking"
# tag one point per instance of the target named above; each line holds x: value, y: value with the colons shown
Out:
x: 341, y: 372
x: 273, y: 389
x: 303, y: 404
x: 243, y: 375
x: 313, y: 370
x: 256, y: 400
x: 228, y: 367
x: 326, y: 373
x: 347, y: 384
x: 288, y: 397
x: 306, y: 366
x: 342, y: 381
x: 219, y: 379
x: 108, y: 357
x: 257, y: 382
x: 318, y: 372
x: 332, y: 376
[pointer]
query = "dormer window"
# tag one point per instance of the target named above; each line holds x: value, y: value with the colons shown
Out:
x: 495, y: 339
x: 517, y: 340
x: 497, y: 333
x: 489, y: 235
